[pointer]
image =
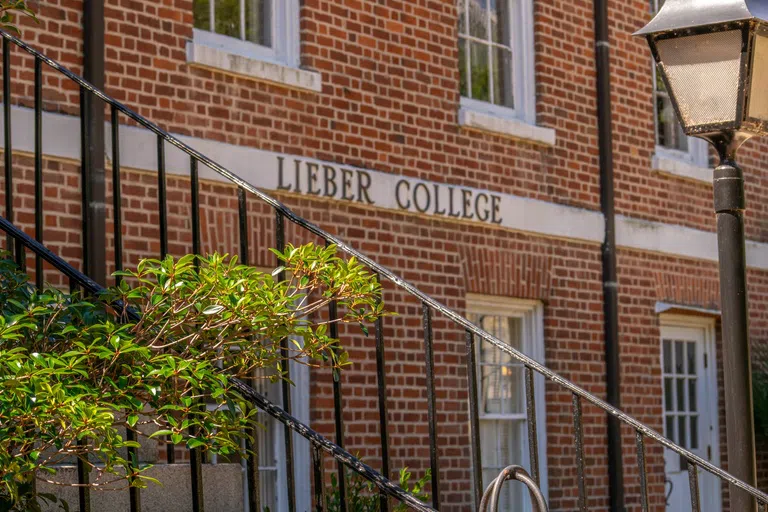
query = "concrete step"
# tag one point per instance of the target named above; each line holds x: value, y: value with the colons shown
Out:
x: 222, y: 488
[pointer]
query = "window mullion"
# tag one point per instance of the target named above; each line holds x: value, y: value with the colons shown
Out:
x: 489, y: 41
x: 212, y: 14
x: 242, y: 19
x: 468, y: 49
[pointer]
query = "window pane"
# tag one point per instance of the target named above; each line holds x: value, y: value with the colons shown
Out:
x: 461, y: 5
x: 268, y: 485
x: 481, y: 89
x: 694, y: 432
x: 202, y: 12
x: 463, y: 56
x: 491, y: 383
x: 500, y: 32
x: 489, y: 447
x: 668, y: 398
x: 681, y: 431
x: 511, y: 439
x: 669, y: 428
x: 498, y: 327
x: 692, y: 395
x: 501, y: 442
x: 667, y: 356
x: 478, y: 19
x: 681, y: 394
x: 502, y: 77
x: 268, y: 463
x: 691, y: 358
x: 511, y: 331
x: 679, y: 358
x: 258, y: 22
x: 515, y: 400
x: 227, y: 17
x: 670, y: 133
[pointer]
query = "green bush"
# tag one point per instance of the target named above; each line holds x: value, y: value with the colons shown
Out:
x: 363, y: 496
x: 74, y: 369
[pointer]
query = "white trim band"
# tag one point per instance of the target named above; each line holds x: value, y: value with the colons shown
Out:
x: 61, y: 139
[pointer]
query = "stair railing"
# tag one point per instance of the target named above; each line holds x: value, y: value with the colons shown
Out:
x: 429, y: 307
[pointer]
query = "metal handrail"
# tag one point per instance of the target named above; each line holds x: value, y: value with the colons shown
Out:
x: 429, y: 304
x: 490, y: 501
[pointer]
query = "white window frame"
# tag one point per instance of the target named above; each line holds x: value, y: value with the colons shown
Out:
x: 284, y: 30
x: 523, y: 69
x: 531, y: 312
x: 697, y: 154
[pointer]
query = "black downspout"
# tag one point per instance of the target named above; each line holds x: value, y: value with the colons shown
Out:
x: 610, y: 283
x: 94, y: 225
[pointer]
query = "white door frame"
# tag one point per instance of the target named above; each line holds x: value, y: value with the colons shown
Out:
x: 707, y: 324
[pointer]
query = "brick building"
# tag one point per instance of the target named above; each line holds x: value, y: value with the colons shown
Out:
x: 455, y: 142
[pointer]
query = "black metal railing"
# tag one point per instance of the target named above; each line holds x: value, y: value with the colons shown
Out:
x: 17, y: 241
x: 319, y: 444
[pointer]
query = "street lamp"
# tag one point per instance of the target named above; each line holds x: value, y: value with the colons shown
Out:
x: 713, y: 58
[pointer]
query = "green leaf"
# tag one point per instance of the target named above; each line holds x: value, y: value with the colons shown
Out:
x: 160, y: 433
x: 213, y: 310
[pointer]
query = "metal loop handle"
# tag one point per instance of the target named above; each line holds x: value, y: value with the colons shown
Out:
x: 491, y: 494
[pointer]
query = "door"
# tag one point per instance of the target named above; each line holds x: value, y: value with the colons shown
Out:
x: 690, y: 408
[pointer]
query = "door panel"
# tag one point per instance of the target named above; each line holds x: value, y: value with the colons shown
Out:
x: 690, y: 411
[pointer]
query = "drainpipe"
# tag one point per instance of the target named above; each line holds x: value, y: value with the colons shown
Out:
x: 92, y: 172
x: 610, y: 283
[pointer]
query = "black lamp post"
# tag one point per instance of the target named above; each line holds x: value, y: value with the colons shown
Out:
x: 713, y: 58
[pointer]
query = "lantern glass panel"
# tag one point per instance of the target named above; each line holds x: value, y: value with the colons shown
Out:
x: 703, y: 75
x: 758, y: 98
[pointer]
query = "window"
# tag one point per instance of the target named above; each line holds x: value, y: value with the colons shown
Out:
x: 260, y: 29
x: 501, y: 386
x: 247, y: 20
x: 496, y: 57
x: 270, y: 470
x: 671, y: 141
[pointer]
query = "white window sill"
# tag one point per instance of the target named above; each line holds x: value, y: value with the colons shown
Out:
x: 238, y: 65
x: 514, y: 128
x: 680, y: 168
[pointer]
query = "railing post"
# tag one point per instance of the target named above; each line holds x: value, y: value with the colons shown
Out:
x: 434, y: 456
x: 474, y: 419
x: 338, y: 405
x: 639, y: 441
x: 8, y: 147
x: 252, y: 446
x: 381, y: 374
x: 39, y: 218
x: 286, y: 387
x: 578, y: 433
